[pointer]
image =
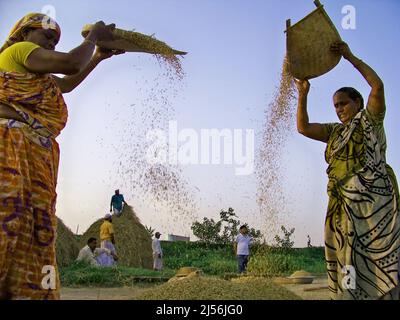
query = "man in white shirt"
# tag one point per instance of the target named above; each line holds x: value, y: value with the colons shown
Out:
x: 157, y: 253
x: 90, y: 253
x: 242, y: 244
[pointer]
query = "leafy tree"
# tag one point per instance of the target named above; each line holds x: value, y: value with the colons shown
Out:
x: 223, y: 231
x: 150, y: 230
x: 207, y: 231
x: 231, y: 227
x: 285, y: 242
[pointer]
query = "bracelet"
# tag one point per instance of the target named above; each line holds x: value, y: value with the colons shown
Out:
x: 90, y: 41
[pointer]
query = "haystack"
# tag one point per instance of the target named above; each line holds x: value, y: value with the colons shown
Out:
x: 132, y: 241
x: 66, y: 245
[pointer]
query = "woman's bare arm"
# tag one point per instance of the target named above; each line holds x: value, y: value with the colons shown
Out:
x: 70, y: 82
x: 48, y: 61
x: 376, y: 101
x: 316, y: 131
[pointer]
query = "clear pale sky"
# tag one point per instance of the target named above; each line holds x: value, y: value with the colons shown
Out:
x: 236, y: 49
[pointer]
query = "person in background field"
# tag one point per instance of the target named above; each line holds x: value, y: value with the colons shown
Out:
x: 107, y: 242
x: 242, y: 248
x: 117, y: 201
x: 157, y: 253
x: 362, y: 225
x: 90, y: 253
x: 309, y: 245
x: 32, y: 114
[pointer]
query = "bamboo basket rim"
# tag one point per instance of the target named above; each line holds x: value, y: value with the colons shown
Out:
x: 307, y: 69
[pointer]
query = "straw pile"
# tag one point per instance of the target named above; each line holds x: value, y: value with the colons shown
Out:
x: 206, y: 288
x: 132, y: 241
x: 66, y: 245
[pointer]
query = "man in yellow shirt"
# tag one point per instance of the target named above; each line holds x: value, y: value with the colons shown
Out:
x: 108, y: 241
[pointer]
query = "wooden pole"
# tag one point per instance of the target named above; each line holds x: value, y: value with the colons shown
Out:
x: 317, y: 3
x: 316, y: 288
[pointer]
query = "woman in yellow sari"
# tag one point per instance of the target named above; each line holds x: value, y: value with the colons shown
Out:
x: 32, y: 115
x: 362, y: 226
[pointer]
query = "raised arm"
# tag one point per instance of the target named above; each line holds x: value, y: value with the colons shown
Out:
x: 314, y: 131
x: 376, y: 101
x: 70, y: 82
x: 49, y: 61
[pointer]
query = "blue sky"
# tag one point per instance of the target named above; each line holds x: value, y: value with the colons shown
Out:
x: 235, y: 55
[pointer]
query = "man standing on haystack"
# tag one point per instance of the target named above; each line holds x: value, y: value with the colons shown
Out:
x: 157, y: 253
x: 107, y: 241
x: 116, y: 203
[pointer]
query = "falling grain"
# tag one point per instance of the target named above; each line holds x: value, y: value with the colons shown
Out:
x: 279, y: 122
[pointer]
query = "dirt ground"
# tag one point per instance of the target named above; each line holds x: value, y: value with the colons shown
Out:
x: 127, y: 293
x: 88, y: 293
x: 320, y: 292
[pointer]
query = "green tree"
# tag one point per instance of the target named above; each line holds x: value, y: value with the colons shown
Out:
x: 231, y: 225
x: 285, y: 242
x: 222, y: 231
x: 207, y: 231
x: 150, y: 230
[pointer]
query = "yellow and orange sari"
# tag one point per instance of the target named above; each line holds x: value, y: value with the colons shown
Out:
x: 29, y: 157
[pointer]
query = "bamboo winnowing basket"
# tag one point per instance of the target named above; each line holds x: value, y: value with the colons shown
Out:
x: 308, y: 45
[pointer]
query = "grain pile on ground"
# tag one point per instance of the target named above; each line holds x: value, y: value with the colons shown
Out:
x: 302, y: 277
x: 66, y: 245
x: 132, y: 241
x: 186, y: 272
x: 298, y: 277
x: 206, y: 288
x: 279, y: 123
x: 300, y: 273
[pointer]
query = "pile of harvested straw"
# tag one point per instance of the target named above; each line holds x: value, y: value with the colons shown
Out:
x: 132, y: 241
x: 66, y: 245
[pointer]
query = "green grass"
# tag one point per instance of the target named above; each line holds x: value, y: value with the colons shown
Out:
x: 81, y: 274
x: 283, y: 262
x: 216, y: 260
x: 212, y: 259
x: 220, y: 259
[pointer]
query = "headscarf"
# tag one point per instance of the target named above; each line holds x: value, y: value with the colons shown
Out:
x: 30, y: 21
